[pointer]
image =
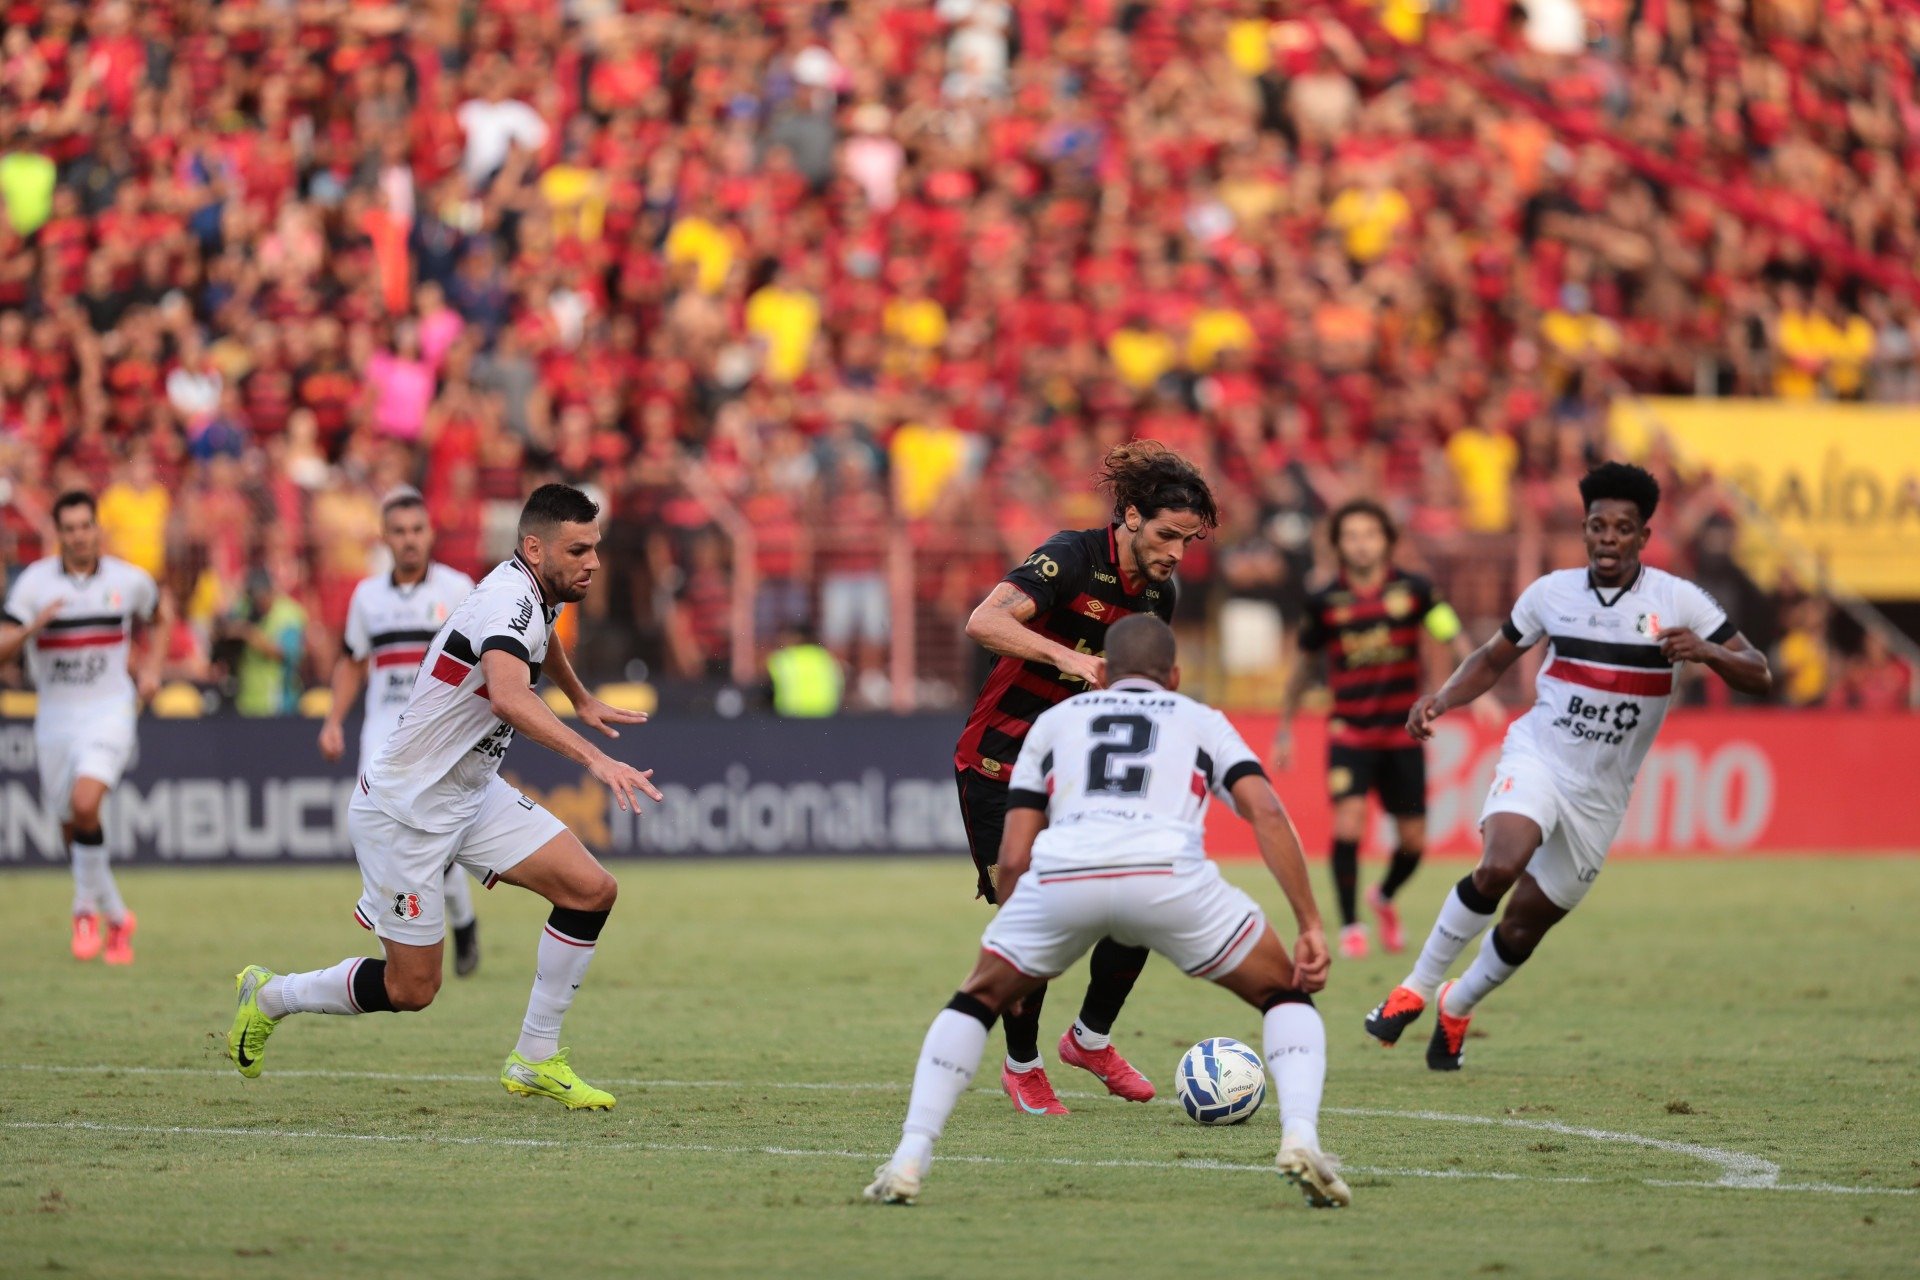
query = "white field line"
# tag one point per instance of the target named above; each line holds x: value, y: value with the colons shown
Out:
x: 1738, y: 1170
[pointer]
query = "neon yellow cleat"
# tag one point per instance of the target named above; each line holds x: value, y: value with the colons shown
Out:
x: 247, y: 1040
x: 553, y: 1078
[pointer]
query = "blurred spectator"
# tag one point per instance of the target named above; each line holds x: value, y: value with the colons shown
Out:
x: 265, y: 639
x: 1803, y: 660
x: 1875, y: 680
x: 806, y: 679
x: 134, y: 510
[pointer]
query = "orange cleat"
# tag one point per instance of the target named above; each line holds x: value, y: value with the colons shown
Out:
x: 120, y: 940
x: 1108, y: 1067
x: 86, y: 936
x: 1030, y: 1091
x: 1449, y: 1044
x: 1400, y: 1010
x: 1392, y: 941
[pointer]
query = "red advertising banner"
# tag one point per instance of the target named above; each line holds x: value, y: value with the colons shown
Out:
x: 1715, y: 782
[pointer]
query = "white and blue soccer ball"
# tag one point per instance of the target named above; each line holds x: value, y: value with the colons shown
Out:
x: 1221, y: 1081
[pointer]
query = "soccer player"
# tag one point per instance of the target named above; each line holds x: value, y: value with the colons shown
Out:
x: 433, y: 793
x: 391, y: 620
x: 1615, y: 629
x: 74, y: 614
x: 1105, y: 822
x: 1048, y: 621
x: 1368, y: 622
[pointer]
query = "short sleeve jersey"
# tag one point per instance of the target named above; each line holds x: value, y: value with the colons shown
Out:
x: 1075, y: 583
x: 1125, y: 775
x: 1605, y: 687
x: 433, y: 769
x: 78, y: 662
x: 389, y: 627
x: 1372, y: 643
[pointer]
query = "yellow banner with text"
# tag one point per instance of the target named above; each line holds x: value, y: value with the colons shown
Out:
x: 1839, y: 481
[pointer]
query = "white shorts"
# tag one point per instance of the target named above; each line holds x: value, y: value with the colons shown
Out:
x: 1574, y: 842
x: 402, y: 868
x: 103, y: 749
x: 1185, y: 911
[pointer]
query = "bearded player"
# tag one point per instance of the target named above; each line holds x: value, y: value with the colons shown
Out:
x: 391, y: 620
x: 1047, y: 621
x: 74, y: 615
x: 1368, y: 622
x: 1615, y: 630
x: 433, y: 794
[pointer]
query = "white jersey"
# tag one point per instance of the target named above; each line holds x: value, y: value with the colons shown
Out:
x: 434, y: 768
x: 79, y: 660
x: 1125, y: 775
x: 389, y: 627
x: 1604, y: 689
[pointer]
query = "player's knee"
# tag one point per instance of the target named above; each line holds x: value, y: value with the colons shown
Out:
x: 1491, y: 879
x: 600, y: 893
x: 410, y: 993
x: 983, y: 1005
x: 86, y: 812
x: 1284, y: 995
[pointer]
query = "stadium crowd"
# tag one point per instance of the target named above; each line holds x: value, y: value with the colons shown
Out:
x: 860, y: 274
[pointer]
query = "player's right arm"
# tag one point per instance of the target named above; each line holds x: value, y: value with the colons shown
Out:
x: 1027, y: 798
x: 25, y: 618
x: 1485, y: 665
x: 510, y: 690
x: 1056, y: 572
x: 1254, y: 799
x: 349, y: 675
x: 1299, y: 680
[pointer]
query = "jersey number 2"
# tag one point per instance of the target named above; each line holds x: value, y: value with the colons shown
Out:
x: 1119, y: 739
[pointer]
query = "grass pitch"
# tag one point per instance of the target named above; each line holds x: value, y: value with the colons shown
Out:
x: 1713, y: 1069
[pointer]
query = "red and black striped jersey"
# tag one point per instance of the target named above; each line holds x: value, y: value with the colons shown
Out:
x: 1372, y: 642
x: 1074, y: 580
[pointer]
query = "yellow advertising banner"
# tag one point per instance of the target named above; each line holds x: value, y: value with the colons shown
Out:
x: 1838, y: 481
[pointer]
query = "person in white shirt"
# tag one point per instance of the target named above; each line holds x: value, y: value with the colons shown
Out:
x: 391, y: 620
x: 433, y: 794
x: 74, y: 615
x: 1615, y: 630
x: 1106, y: 819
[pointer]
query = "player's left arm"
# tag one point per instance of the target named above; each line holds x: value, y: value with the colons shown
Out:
x: 592, y: 712
x: 1743, y: 667
x: 153, y: 626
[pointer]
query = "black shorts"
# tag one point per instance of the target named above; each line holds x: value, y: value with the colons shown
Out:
x: 1399, y: 774
x: 983, y: 811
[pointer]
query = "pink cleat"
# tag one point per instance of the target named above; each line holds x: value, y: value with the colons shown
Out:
x: 1353, y: 942
x: 1030, y: 1091
x: 1108, y: 1067
x: 1392, y: 941
x: 86, y: 936
x: 120, y: 941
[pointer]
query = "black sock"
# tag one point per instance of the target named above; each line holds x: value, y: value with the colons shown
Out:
x: 1023, y: 1027
x: 1399, y: 871
x: 370, y: 987
x: 1346, y: 878
x: 1115, y: 966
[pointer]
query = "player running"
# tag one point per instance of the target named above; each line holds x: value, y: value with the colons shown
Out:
x: 1048, y: 621
x: 74, y: 613
x: 433, y: 793
x: 391, y: 620
x: 1566, y: 773
x: 1106, y: 818
x: 1368, y: 622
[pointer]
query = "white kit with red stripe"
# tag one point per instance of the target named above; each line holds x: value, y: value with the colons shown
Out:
x: 433, y: 771
x: 78, y: 661
x: 1605, y: 687
x: 389, y: 627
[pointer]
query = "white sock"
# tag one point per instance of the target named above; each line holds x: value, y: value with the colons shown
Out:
x: 948, y: 1058
x: 1296, y: 1048
x: 1089, y: 1039
x: 560, y: 967
x: 93, y: 886
x: 1488, y: 970
x: 457, y: 893
x: 1456, y: 926
x: 316, y: 991
x: 1024, y: 1066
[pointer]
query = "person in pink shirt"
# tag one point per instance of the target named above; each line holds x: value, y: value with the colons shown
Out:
x: 400, y: 385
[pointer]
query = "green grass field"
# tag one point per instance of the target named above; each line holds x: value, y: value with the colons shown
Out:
x: 1694, y: 1024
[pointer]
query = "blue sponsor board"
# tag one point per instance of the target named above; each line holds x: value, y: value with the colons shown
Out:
x: 257, y: 791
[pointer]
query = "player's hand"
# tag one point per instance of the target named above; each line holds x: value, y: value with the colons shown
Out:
x: 145, y: 685
x: 1311, y: 960
x: 1280, y: 754
x: 1680, y: 644
x: 333, y: 743
x: 1425, y: 712
x: 1090, y: 667
x: 46, y: 615
x: 625, y: 781
x: 602, y: 716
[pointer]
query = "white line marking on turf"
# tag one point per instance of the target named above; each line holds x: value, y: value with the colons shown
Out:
x: 1738, y: 1170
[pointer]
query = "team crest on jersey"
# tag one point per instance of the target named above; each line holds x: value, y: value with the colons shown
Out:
x: 439, y: 612
x: 1399, y: 602
x: 113, y: 599
x: 1647, y: 624
x: 406, y: 906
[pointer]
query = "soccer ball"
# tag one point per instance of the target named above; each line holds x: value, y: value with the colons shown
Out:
x: 1221, y: 1081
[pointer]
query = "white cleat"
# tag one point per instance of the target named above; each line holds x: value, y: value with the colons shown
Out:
x: 893, y: 1186
x: 1316, y: 1173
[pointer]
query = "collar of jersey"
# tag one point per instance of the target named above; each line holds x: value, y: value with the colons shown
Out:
x: 1120, y: 686
x: 1113, y: 558
x: 527, y: 569
x: 1599, y: 592
x: 393, y: 580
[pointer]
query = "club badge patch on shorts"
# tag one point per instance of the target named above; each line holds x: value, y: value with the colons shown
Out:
x: 406, y: 906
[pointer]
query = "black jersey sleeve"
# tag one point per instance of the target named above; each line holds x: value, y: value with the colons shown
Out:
x: 1058, y: 571
x: 1313, y: 628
